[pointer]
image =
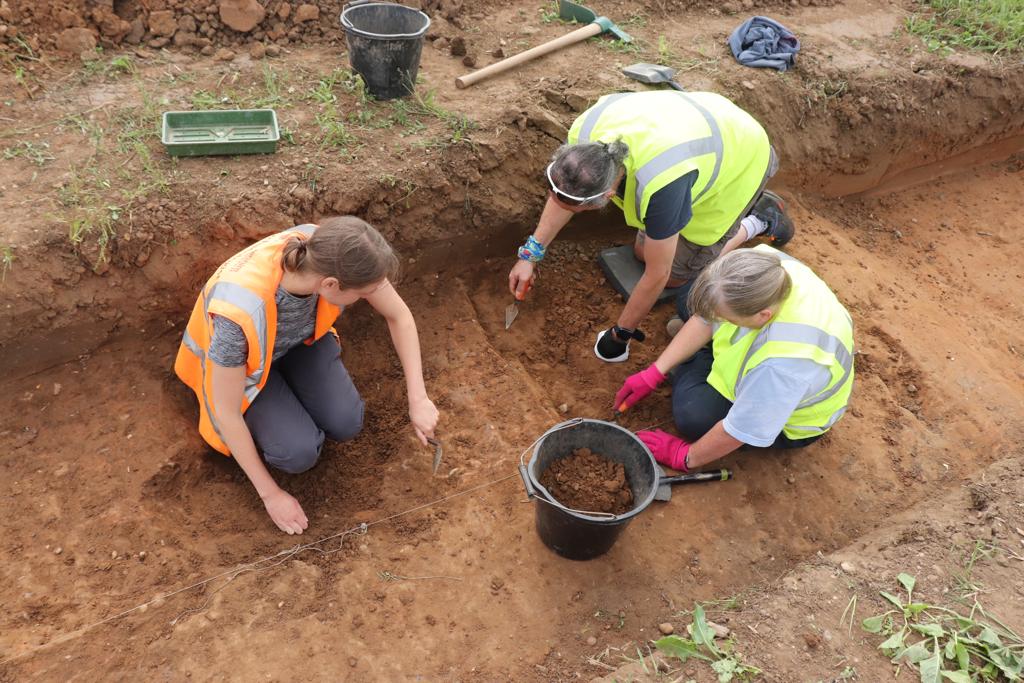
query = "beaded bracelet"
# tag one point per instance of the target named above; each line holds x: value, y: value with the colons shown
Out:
x: 533, y: 251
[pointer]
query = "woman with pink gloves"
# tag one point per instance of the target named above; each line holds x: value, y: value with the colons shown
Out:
x: 764, y: 358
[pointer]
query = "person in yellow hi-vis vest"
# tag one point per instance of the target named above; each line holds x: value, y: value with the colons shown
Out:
x: 764, y: 358
x: 688, y: 170
x: 262, y: 357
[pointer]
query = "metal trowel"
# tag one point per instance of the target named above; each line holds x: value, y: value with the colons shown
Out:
x: 664, y: 491
x: 512, y: 310
x: 438, y: 452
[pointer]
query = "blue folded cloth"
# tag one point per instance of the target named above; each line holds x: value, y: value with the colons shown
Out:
x: 761, y: 42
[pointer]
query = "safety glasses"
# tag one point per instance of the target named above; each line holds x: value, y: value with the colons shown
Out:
x: 564, y: 196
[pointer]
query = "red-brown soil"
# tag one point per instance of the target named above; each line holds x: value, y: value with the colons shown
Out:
x: 588, y: 481
x: 904, y: 174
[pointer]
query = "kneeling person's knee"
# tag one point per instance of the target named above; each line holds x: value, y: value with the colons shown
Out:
x: 296, y: 455
x: 346, y: 423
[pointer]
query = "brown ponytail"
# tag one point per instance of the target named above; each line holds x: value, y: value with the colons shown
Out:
x: 346, y: 248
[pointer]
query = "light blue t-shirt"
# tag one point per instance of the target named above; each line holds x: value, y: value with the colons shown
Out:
x: 769, y: 394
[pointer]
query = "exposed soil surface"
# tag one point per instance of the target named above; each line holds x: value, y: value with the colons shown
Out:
x: 131, y: 550
x: 588, y: 481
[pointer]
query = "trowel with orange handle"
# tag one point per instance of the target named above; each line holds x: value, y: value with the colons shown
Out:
x: 512, y: 310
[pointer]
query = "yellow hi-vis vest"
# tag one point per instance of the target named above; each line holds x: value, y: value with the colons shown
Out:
x: 242, y: 290
x: 810, y: 324
x: 672, y: 133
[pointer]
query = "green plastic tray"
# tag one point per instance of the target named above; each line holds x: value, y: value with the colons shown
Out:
x: 234, y: 131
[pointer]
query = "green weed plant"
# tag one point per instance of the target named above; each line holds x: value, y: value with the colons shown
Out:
x: 701, y: 646
x: 944, y: 645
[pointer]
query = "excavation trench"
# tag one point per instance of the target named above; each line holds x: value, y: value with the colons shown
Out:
x: 121, y: 502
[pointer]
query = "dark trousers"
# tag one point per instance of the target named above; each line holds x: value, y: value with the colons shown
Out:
x: 308, y: 395
x: 696, y: 405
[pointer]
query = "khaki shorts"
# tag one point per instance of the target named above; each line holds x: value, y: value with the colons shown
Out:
x: 692, y: 258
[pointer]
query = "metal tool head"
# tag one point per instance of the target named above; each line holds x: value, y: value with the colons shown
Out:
x: 438, y: 452
x: 511, y: 311
x: 570, y: 11
x: 650, y: 73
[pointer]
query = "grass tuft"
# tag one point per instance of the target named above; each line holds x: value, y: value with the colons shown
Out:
x: 995, y: 26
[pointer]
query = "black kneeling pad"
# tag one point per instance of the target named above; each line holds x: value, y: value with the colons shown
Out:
x: 623, y: 271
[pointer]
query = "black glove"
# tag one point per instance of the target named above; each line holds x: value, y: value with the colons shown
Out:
x: 613, y: 344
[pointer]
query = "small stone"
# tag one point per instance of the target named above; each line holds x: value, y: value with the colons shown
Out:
x: 306, y: 12
x: 847, y: 567
x: 224, y: 55
x: 898, y: 234
x: 113, y: 554
x: 911, y: 388
x: 142, y: 555
x: 353, y: 662
x: 56, y: 388
x: 273, y: 51
x: 241, y: 15
x: 591, y: 641
x: 284, y: 10
x: 280, y: 604
x: 720, y: 630
x: 76, y: 40
x: 136, y: 31
x: 458, y: 46
x: 162, y: 23
x: 498, y: 53
x: 187, y: 23
x: 791, y: 479
x: 469, y: 61
x: 748, y: 85
x: 666, y: 628
x: 208, y: 51
x: 258, y: 51
x: 58, y: 550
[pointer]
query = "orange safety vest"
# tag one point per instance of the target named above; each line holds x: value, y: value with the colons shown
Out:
x: 242, y: 290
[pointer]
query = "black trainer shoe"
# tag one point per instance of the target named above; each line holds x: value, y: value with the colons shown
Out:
x: 771, y: 209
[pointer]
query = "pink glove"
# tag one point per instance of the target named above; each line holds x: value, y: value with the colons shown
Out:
x: 638, y: 387
x: 668, y: 450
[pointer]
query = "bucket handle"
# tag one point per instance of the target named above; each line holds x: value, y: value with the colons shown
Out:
x: 531, y: 490
x: 348, y: 25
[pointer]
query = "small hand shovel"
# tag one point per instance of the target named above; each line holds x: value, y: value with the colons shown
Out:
x: 652, y: 73
x: 664, y: 491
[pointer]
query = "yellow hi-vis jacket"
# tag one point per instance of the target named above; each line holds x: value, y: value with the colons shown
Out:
x: 670, y: 134
x: 242, y: 290
x: 810, y: 324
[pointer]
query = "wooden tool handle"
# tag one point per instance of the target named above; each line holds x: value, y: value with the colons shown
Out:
x: 577, y: 36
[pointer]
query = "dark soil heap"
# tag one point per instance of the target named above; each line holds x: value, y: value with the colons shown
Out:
x: 589, y: 482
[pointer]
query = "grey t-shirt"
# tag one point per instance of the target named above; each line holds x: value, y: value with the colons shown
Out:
x: 769, y: 394
x: 296, y: 321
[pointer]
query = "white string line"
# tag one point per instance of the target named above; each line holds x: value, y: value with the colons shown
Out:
x: 288, y: 553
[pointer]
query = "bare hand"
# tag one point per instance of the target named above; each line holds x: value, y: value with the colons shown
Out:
x: 424, y: 416
x: 286, y: 512
x: 521, y: 275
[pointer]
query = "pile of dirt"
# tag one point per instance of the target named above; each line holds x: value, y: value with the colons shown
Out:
x: 75, y: 26
x: 588, y: 481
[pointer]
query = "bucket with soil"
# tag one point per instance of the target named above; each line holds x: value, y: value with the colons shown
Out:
x: 385, y: 41
x: 590, y: 478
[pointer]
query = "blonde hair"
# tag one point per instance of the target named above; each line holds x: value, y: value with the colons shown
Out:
x: 746, y: 280
x: 346, y: 248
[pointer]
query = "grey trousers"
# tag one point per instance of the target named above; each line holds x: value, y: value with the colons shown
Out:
x: 308, y: 395
x: 692, y: 258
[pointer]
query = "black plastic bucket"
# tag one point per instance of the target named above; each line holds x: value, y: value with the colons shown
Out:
x: 384, y: 45
x: 573, y: 533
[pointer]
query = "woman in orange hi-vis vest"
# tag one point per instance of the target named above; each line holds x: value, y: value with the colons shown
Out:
x: 268, y: 375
